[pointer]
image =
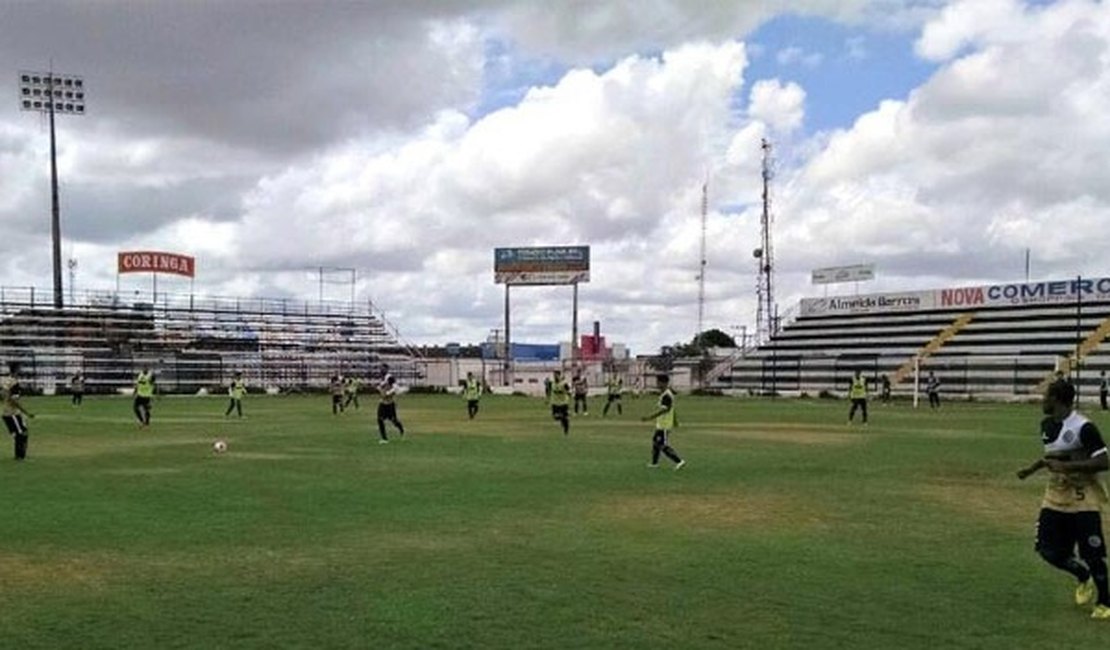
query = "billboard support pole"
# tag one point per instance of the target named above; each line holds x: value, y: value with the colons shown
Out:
x: 574, y: 328
x: 505, y: 378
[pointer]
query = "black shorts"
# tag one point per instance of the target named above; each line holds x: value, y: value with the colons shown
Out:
x: 559, y: 411
x: 142, y: 401
x: 661, y: 438
x: 614, y: 398
x: 387, y: 411
x: 336, y: 399
x: 15, y: 425
x: 1061, y: 532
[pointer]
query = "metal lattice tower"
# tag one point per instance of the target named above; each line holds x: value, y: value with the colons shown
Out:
x: 765, y: 258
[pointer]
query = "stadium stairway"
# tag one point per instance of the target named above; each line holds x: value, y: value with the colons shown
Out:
x: 1088, y: 346
x: 931, y: 347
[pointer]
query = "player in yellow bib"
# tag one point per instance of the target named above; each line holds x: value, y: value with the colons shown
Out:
x: 472, y: 392
x: 559, y: 399
x: 1070, y: 517
x: 336, y: 388
x: 387, y: 408
x: 10, y: 394
x: 351, y: 386
x: 236, y: 391
x: 77, y: 389
x: 857, y: 392
x: 614, y: 389
x: 666, y: 419
x: 144, y: 391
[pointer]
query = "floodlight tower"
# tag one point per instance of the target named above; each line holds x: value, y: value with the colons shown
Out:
x: 701, y: 268
x: 51, y: 93
x: 765, y: 258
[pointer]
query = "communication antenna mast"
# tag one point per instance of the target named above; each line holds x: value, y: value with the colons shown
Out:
x: 765, y: 258
x: 701, y: 268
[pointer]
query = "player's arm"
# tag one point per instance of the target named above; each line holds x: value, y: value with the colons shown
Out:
x: 1026, y: 472
x: 1098, y: 460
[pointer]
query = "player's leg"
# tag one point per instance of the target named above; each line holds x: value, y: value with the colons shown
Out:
x: 564, y: 418
x: 230, y: 406
x: 21, y: 440
x: 1056, y: 543
x: 863, y: 409
x: 608, y: 403
x: 381, y: 423
x: 620, y: 410
x: 852, y: 411
x: 239, y: 407
x: 394, y: 419
x: 1092, y: 548
x: 137, y: 407
x: 669, y: 451
x: 142, y: 410
x: 13, y: 431
x: 657, y: 443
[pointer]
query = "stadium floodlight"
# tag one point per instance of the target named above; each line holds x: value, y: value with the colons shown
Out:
x: 52, y: 93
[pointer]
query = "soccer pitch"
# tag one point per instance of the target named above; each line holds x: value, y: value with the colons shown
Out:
x: 787, y: 528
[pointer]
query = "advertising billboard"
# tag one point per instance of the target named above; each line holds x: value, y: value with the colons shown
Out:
x: 1016, y: 294
x: 541, y: 265
x: 836, y: 274
x: 155, y: 262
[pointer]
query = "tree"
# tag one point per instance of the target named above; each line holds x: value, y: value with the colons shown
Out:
x: 714, y: 338
x: 700, y: 344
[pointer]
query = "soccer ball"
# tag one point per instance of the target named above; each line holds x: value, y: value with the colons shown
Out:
x: 219, y: 446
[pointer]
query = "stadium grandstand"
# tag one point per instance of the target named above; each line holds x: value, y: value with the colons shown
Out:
x: 997, y: 341
x: 195, y: 343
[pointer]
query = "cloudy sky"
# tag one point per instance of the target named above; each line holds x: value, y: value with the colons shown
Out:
x: 407, y: 139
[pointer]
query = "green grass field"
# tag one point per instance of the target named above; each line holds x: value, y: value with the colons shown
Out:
x: 787, y: 529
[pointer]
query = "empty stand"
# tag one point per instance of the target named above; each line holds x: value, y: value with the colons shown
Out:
x: 195, y: 343
x: 995, y: 350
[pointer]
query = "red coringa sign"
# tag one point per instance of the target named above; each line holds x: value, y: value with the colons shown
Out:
x: 156, y: 262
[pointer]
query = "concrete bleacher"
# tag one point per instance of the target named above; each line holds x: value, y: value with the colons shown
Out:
x: 994, y: 347
x: 193, y: 343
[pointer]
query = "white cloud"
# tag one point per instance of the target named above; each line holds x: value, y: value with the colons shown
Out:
x: 794, y: 55
x: 781, y: 106
x: 1002, y: 149
x: 587, y: 31
x: 613, y: 159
